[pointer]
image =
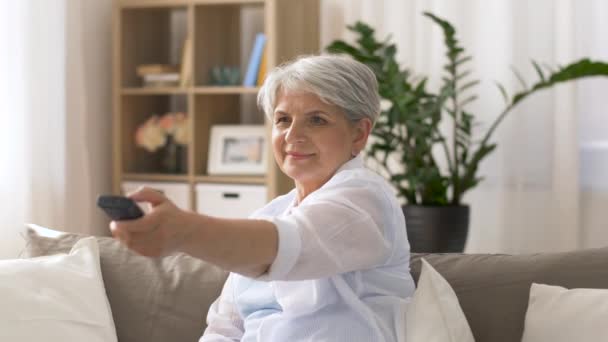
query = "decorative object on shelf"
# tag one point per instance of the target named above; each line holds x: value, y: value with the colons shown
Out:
x: 255, y: 60
x: 409, y: 131
x: 225, y: 75
x: 238, y: 149
x: 161, y: 80
x: 186, y: 66
x: 158, y: 75
x: 174, y: 156
x: 147, y: 69
x: 169, y: 135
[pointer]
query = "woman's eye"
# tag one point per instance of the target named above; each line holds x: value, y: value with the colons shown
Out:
x: 280, y: 120
x: 317, y: 120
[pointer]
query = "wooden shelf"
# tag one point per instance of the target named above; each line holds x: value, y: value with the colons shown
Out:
x: 184, y: 91
x: 152, y: 3
x: 224, y: 2
x: 226, y: 90
x: 222, y: 33
x: 177, y: 3
x: 155, y: 91
x: 231, y: 179
x: 154, y: 177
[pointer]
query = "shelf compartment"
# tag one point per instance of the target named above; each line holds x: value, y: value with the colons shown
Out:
x: 225, y: 32
x: 135, y: 111
x: 211, y: 110
x: 150, y: 36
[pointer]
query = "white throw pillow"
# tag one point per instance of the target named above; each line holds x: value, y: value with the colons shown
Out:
x: 55, y: 298
x: 556, y: 314
x: 434, y: 314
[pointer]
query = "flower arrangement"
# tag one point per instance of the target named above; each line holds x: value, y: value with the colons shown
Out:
x: 155, y: 132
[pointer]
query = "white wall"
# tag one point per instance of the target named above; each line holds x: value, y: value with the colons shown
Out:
x: 594, y: 208
x: 594, y: 196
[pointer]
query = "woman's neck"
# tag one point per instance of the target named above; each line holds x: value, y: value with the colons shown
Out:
x: 304, y: 189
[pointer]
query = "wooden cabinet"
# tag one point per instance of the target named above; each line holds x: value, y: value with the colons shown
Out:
x: 222, y: 32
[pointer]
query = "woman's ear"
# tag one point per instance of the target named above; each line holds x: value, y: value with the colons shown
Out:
x: 363, y: 128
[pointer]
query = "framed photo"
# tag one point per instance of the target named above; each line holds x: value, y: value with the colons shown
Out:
x: 238, y: 150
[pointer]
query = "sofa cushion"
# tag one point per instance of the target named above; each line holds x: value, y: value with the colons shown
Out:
x: 557, y: 314
x: 55, y: 298
x: 434, y: 313
x: 152, y: 299
x: 493, y: 289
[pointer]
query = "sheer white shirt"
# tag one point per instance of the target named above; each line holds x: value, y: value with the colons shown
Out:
x: 341, y: 272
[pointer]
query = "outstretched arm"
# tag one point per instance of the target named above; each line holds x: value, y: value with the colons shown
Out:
x: 244, y: 246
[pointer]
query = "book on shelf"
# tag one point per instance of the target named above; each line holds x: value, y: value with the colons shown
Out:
x: 186, y: 67
x: 147, y: 69
x: 262, y: 71
x: 255, y: 60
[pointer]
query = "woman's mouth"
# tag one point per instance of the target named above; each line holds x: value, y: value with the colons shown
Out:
x: 299, y: 155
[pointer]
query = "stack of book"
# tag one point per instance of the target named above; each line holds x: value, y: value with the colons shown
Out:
x: 159, y: 75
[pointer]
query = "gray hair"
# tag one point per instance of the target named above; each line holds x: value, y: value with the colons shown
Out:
x: 336, y: 80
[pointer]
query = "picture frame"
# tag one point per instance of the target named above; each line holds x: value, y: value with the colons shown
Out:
x: 238, y: 150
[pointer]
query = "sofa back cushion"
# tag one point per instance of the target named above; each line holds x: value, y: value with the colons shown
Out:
x: 152, y: 299
x: 493, y: 289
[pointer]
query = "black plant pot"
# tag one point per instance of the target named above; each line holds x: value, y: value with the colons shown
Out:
x: 436, y: 229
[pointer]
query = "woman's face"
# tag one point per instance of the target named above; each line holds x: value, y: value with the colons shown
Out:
x: 312, y: 139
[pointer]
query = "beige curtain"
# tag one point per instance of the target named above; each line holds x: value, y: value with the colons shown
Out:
x: 56, y: 105
x: 531, y: 198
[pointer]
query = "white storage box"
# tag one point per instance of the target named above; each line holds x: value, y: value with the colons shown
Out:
x: 178, y: 193
x: 229, y: 200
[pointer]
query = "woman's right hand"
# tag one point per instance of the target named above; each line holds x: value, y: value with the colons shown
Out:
x: 161, y: 231
x: 244, y: 246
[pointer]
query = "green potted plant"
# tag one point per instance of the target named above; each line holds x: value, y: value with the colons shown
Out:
x: 437, y: 219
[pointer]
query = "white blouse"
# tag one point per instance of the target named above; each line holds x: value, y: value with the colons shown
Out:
x: 341, y: 271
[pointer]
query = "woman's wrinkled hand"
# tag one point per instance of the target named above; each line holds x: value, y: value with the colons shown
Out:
x: 160, y: 232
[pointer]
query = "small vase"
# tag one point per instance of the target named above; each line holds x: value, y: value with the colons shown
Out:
x: 172, y: 156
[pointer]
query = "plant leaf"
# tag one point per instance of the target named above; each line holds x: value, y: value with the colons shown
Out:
x: 539, y: 71
x: 519, y: 77
x: 576, y: 70
x: 468, y: 85
x: 503, y: 91
x: 463, y: 60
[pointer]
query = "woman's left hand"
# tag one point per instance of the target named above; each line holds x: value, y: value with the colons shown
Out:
x: 161, y: 231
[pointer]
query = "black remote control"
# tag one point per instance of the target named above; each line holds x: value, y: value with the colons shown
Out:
x: 119, y: 207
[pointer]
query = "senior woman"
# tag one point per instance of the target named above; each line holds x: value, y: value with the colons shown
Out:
x: 329, y: 261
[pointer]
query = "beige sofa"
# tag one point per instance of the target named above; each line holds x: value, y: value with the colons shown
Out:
x: 167, y: 299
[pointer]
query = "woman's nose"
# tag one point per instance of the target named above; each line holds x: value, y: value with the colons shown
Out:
x: 295, y: 133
